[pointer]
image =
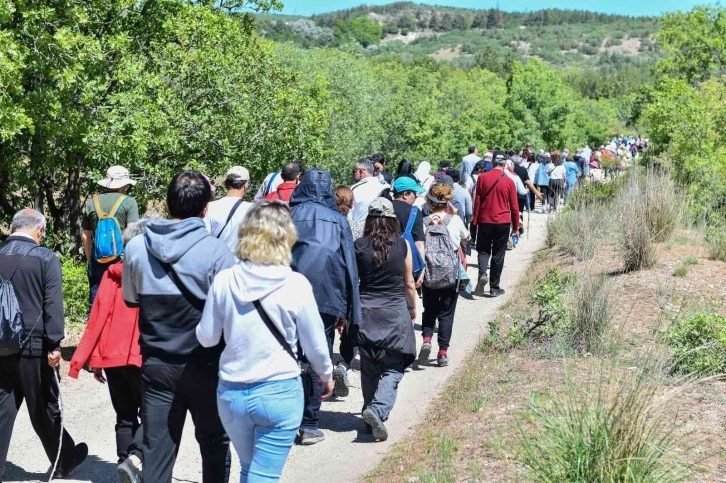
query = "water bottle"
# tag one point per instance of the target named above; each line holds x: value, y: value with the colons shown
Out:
x: 515, y: 239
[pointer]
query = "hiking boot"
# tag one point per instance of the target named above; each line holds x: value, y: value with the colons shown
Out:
x: 376, y: 423
x: 128, y: 472
x: 309, y: 436
x: 340, y: 376
x: 80, y: 453
x: 423, y: 355
x: 496, y: 292
x: 481, y: 285
x: 442, y: 359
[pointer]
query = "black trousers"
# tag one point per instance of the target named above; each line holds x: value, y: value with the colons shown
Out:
x: 439, y: 304
x: 492, y: 243
x: 95, y: 274
x: 31, y: 379
x: 311, y: 391
x: 557, y: 189
x: 124, y: 385
x: 169, y: 391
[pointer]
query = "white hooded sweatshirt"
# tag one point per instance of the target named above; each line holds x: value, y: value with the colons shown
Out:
x: 252, y: 354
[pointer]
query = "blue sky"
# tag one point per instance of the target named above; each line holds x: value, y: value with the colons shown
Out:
x: 624, y: 7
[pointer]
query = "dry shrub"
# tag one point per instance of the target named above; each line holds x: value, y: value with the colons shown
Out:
x: 576, y: 232
x: 665, y: 204
x: 591, y: 312
x: 637, y: 243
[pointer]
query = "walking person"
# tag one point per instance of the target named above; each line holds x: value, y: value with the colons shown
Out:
x: 367, y: 188
x: 324, y: 239
x: 543, y: 180
x: 29, y: 371
x: 385, y: 333
x: 291, y: 174
x: 110, y: 346
x: 379, y: 169
x: 167, y: 274
x: 532, y: 170
x: 265, y: 312
x: 557, y: 174
x: 344, y: 201
x: 224, y: 216
x: 102, y: 239
x: 572, y: 176
x: 405, y: 191
x: 496, y: 212
x: 444, y: 234
x: 468, y: 162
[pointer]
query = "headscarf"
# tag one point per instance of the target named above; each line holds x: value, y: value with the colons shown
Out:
x: 423, y: 175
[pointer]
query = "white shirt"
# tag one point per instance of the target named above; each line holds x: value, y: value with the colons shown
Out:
x: 216, y: 217
x: 365, y: 191
x: 558, y: 172
x: 457, y: 230
x: 276, y: 181
x: 532, y: 171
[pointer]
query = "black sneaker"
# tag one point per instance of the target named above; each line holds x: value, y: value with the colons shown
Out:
x: 481, y: 285
x: 128, y: 472
x: 374, y: 420
x: 496, y: 292
x: 340, y: 376
x: 309, y: 436
x: 80, y: 453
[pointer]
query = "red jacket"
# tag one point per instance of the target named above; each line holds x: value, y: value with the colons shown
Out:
x: 111, y: 338
x: 283, y: 193
x: 501, y: 205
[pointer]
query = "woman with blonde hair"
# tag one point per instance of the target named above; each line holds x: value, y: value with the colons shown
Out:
x: 266, y: 313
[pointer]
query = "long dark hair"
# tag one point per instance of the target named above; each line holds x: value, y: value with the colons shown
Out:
x: 383, y: 233
x: 404, y: 167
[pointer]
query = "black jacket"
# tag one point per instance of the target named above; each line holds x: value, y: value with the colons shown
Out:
x: 324, y: 250
x: 39, y: 289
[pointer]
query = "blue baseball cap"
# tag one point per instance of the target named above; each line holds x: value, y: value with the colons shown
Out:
x: 404, y: 183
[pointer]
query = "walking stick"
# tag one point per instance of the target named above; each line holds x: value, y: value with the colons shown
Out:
x: 528, y: 212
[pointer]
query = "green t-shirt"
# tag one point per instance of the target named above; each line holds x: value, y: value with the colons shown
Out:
x: 128, y: 212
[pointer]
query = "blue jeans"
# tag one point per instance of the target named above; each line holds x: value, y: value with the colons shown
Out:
x: 262, y: 420
x: 569, y: 189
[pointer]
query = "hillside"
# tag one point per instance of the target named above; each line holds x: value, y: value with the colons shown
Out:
x: 561, y: 38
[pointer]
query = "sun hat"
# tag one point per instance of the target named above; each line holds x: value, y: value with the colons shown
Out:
x: 116, y: 177
x: 237, y: 171
x: 381, y: 208
x: 404, y: 183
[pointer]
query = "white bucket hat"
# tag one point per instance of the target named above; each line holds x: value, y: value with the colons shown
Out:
x: 116, y: 177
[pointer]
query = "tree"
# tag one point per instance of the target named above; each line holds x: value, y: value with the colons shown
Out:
x: 492, y: 18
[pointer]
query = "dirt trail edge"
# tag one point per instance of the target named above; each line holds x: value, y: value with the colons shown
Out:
x: 346, y: 453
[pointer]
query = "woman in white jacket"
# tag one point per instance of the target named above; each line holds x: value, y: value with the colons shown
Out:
x: 265, y: 312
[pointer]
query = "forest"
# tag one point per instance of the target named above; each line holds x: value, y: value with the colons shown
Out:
x: 160, y: 86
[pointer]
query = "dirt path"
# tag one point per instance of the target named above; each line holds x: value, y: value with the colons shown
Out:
x: 342, y: 457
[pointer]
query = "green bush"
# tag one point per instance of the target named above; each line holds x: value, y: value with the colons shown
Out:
x: 680, y: 271
x: 593, y: 193
x: 75, y: 291
x: 716, y: 242
x: 699, y: 342
x: 615, y: 431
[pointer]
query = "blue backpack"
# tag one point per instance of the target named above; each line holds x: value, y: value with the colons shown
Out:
x: 418, y: 261
x: 107, y: 242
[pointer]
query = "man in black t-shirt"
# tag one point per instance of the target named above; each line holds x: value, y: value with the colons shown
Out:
x: 523, y: 174
x: 405, y: 191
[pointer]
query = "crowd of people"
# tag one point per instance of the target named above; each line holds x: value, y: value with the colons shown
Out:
x: 228, y: 309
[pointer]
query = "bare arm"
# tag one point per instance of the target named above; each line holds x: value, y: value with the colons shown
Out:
x: 533, y: 189
x: 87, y: 238
x: 409, y: 283
x: 422, y: 250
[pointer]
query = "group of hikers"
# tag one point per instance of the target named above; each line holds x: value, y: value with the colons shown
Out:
x: 228, y: 309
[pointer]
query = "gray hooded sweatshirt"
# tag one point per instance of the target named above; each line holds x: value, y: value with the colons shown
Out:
x: 171, y: 295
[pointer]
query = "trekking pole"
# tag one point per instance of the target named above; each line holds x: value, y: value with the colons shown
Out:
x: 528, y: 212
x: 60, y: 439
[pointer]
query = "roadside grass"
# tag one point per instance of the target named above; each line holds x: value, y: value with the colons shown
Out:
x: 484, y: 406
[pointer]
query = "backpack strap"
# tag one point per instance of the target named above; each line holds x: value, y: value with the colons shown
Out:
x: 116, y: 206
x: 484, y: 198
x: 97, y: 206
x: 229, y: 218
x: 19, y: 263
x: 193, y: 300
x: 411, y: 220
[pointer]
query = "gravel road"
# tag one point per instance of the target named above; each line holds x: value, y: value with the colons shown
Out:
x: 343, y: 456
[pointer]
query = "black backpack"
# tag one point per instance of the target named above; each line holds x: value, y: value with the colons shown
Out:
x: 12, y: 328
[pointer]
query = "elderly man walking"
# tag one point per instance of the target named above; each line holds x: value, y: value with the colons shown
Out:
x: 30, y: 374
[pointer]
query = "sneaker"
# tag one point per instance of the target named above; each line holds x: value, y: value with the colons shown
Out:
x: 510, y: 245
x: 481, y: 285
x: 309, y: 436
x: 80, y: 453
x: 496, y: 292
x: 128, y: 472
x: 374, y: 420
x: 442, y: 359
x: 423, y: 355
x: 340, y: 376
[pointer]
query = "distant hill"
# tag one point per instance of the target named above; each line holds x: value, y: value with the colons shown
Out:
x: 477, y: 37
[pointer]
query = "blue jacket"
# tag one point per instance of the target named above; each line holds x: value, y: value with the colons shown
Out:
x: 324, y: 251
